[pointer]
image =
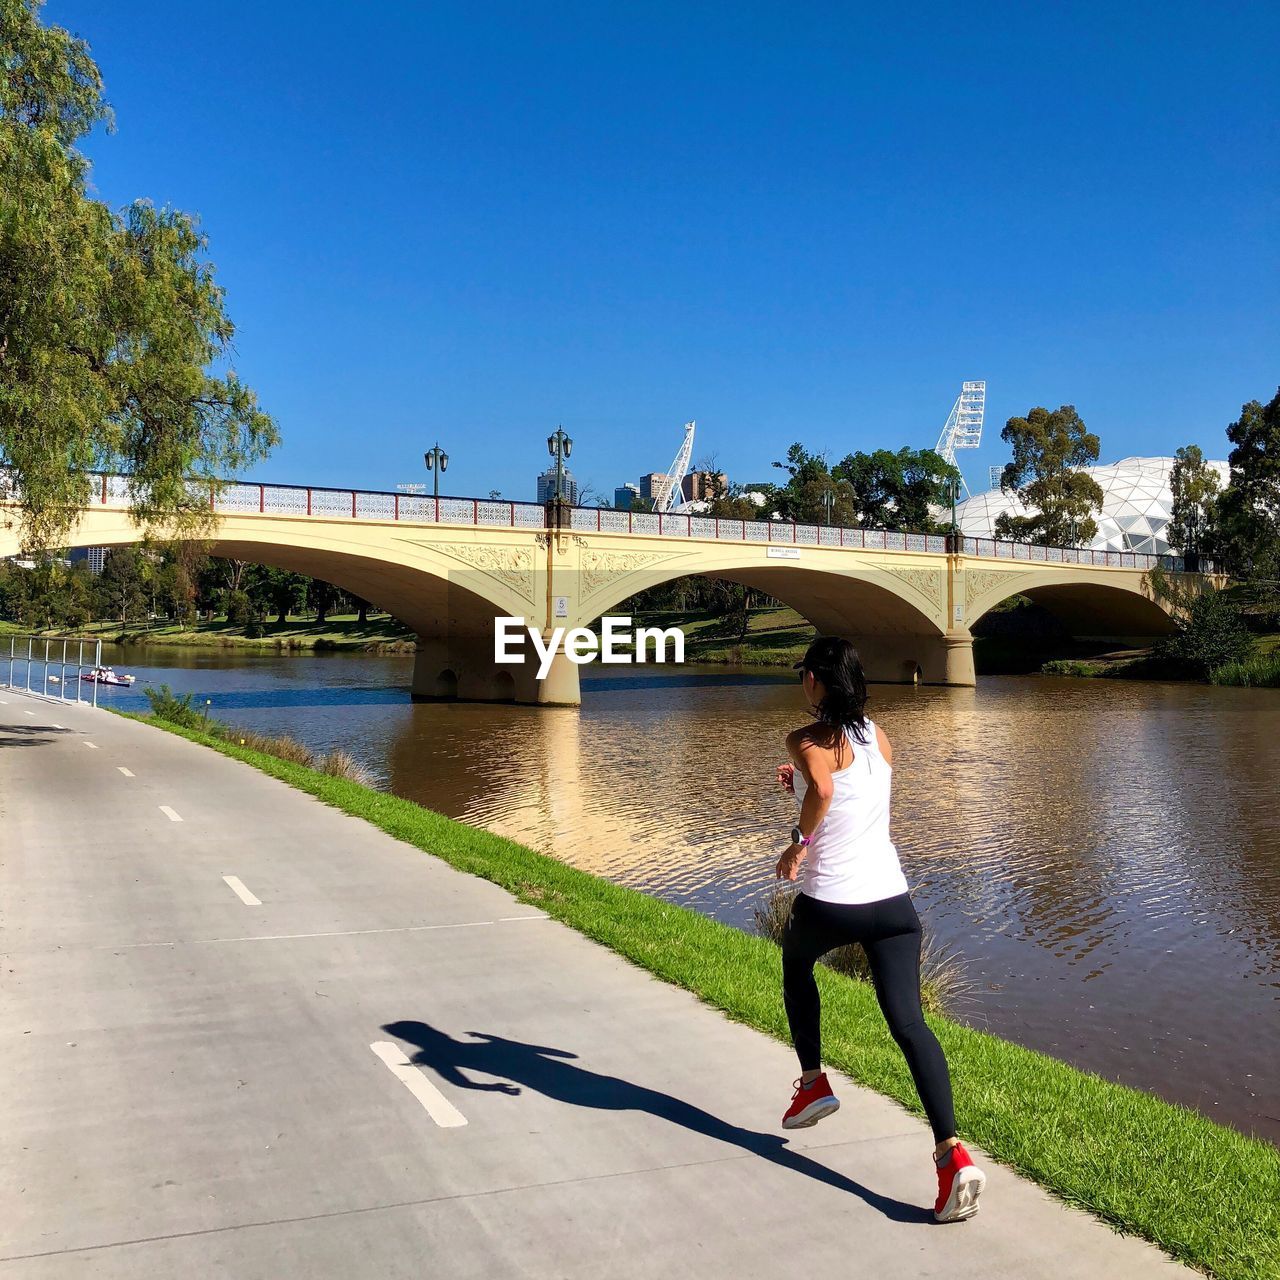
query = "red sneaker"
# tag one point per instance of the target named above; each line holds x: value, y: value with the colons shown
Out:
x: 810, y: 1103
x: 960, y: 1183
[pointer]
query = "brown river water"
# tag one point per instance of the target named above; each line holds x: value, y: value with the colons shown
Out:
x: 1103, y: 855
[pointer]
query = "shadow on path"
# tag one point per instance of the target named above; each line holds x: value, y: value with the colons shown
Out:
x: 29, y: 735
x: 549, y: 1072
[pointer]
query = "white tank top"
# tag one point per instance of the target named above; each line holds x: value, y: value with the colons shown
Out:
x: 851, y: 857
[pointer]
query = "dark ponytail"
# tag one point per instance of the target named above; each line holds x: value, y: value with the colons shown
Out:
x: 835, y: 662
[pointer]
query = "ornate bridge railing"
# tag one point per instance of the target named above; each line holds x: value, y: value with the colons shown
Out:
x: 241, y: 497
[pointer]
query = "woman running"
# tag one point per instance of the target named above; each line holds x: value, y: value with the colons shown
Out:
x: 854, y: 891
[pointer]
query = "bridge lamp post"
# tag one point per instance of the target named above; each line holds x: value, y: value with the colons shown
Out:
x: 559, y: 446
x: 437, y: 461
x: 828, y: 502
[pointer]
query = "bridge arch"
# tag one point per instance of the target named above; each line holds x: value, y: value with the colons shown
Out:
x: 1110, y: 605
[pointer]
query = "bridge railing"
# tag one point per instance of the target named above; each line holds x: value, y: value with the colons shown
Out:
x: 241, y: 497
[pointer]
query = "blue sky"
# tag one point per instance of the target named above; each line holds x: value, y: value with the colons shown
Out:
x: 790, y: 222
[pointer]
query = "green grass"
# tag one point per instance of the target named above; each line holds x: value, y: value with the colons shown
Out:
x: 1262, y: 671
x: 380, y: 634
x: 775, y: 637
x: 1206, y: 1194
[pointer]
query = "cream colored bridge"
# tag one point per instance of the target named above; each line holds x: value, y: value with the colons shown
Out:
x: 447, y: 567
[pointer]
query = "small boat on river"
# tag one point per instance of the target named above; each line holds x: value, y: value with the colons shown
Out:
x: 105, y: 675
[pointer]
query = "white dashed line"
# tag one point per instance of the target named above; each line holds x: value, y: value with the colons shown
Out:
x: 28, y: 713
x: 170, y: 814
x: 57, y: 726
x: 436, y: 1105
x: 128, y: 773
x: 92, y: 745
x: 237, y: 887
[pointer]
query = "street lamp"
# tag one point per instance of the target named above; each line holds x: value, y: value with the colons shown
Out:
x: 828, y: 501
x: 559, y: 446
x: 437, y: 461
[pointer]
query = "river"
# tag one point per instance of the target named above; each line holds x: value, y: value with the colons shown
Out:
x: 1103, y: 855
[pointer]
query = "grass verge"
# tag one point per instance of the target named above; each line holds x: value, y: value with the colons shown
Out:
x: 1207, y: 1195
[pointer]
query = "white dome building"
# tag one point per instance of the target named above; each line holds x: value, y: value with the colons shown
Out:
x: 1136, y: 504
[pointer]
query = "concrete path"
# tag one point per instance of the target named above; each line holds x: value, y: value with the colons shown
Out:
x: 244, y: 1035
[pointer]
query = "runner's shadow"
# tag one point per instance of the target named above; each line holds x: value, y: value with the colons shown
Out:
x: 549, y: 1072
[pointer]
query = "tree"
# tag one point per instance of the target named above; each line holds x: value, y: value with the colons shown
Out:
x: 121, y: 584
x: 278, y: 590
x: 899, y: 491
x: 1249, y: 509
x: 111, y: 323
x: 1195, y: 486
x: 1049, y: 450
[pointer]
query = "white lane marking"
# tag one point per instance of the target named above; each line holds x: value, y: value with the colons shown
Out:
x: 237, y: 887
x: 170, y: 814
x: 436, y: 1105
x: 128, y: 773
x: 336, y: 933
x: 92, y: 745
x: 27, y: 713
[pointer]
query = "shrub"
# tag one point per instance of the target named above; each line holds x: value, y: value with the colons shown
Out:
x: 942, y: 979
x: 1211, y: 634
x: 176, y: 708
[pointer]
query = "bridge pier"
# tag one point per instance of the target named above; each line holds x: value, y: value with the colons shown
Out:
x: 461, y: 668
x: 918, y: 659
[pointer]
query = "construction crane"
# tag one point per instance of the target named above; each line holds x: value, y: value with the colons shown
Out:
x: 672, y: 492
x: 963, y: 428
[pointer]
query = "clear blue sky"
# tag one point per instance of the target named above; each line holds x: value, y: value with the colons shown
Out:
x: 790, y: 222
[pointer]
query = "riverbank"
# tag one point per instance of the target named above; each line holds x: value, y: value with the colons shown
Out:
x: 338, y: 632
x: 1205, y: 1194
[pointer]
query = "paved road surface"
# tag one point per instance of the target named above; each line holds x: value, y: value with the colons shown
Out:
x: 245, y: 1035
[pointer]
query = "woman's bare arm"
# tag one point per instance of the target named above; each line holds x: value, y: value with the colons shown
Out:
x: 812, y: 762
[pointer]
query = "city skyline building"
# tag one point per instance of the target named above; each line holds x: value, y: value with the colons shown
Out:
x: 702, y: 486
x: 547, y: 486
x: 653, y: 485
x: 623, y: 495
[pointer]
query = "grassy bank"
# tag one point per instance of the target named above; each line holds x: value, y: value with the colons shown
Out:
x: 337, y: 632
x: 775, y: 637
x: 1206, y: 1194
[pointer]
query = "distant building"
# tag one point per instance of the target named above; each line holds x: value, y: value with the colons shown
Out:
x: 760, y: 486
x: 654, y: 486
x: 1137, y: 503
x: 702, y: 486
x: 568, y: 486
x: 94, y: 558
x: 623, y: 495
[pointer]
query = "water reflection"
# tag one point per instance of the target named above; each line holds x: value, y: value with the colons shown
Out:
x: 1105, y: 855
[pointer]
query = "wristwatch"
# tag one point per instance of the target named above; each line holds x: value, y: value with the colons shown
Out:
x: 799, y: 837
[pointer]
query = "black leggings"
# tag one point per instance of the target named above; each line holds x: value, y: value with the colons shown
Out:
x: 889, y: 932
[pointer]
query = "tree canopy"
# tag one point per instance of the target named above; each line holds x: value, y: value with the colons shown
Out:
x: 1049, y: 451
x: 113, y: 337
x: 880, y: 490
x: 1249, y: 509
x: 1195, y: 488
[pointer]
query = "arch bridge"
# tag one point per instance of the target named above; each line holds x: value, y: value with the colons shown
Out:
x: 447, y: 567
